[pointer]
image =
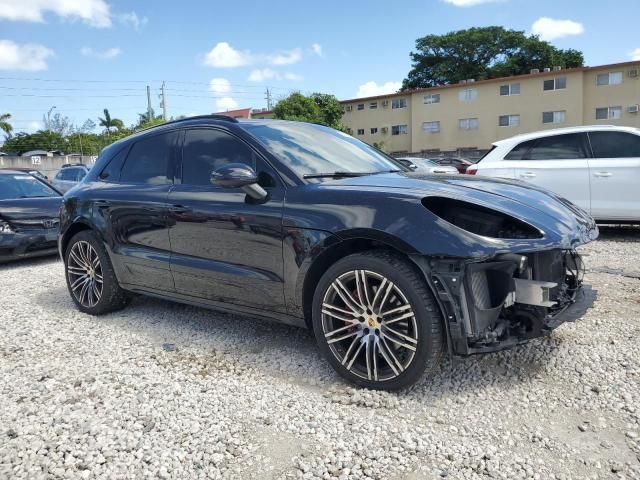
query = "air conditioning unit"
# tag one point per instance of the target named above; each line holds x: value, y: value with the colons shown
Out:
x: 384, y: 130
x: 349, y: 108
x: 634, y: 73
x: 385, y: 103
x: 633, y: 108
x: 535, y: 70
x: 557, y: 68
x: 547, y: 69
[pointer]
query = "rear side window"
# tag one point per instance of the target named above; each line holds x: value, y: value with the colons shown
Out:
x: 615, y: 144
x: 557, y: 147
x: 206, y: 150
x: 149, y: 159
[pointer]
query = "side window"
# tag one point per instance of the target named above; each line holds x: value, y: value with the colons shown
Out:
x: 520, y: 150
x: 149, y: 160
x: 614, y: 144
x: 558, y: 147
x: 81, y: 173
x: 206, y: 150
x: 66, y: 174
x: 111, y: 171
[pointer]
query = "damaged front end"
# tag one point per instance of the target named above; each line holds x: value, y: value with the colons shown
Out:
x: 493, y: 305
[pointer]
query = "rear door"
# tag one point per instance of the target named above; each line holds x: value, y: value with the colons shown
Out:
x: 130, y: 205
x: 615, y: 175
x: 226, y: 247
x: 558, y: 163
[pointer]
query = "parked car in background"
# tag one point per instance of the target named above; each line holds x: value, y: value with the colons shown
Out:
x: 596, y: 167
x: 29, y: 216
x: 312, y: 227
x: 460, y: 164
x: 30, y: 171
x: 424, y: 165
x: 69, y: 176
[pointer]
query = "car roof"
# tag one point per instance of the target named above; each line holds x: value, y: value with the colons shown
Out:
x: 523, y: 137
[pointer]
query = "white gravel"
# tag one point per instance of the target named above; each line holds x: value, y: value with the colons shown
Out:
x: 169, y: 391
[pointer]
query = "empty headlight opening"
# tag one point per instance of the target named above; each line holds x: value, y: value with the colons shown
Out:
x: 480, y: 220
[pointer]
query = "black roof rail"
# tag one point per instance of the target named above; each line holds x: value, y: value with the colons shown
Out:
x: 211, y: 116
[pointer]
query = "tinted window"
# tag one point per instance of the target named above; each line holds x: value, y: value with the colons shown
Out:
x: 149, y: 159
x: 208, y: 150
x: 615, y: 144
x: 111, y: 172
x: 66, y: 174
x: 520, y: 151
x: 557, y: 147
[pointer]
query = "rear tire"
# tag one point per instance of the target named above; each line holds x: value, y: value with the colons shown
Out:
x: 376, y: 321
x: 91, y: 280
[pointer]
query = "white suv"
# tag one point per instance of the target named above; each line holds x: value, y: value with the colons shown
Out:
x: 595, y: 167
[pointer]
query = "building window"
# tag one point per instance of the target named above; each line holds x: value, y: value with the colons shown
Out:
x: 468, y: 124
x: 361, y: 131
x: 509, y: 120
x: 554, y: 117
x: 349, y: 131
x: 430, y: 99
x: 609, y: 113
x: 399, y: 103
x: 558, y: 83
x: 611, y: 78
x: 361, y: 106
x: 468, y: 95
x: 509, y: 89
x: 373, y: 105
x: 349, y: 108
x: 431, y: 127
x: 399, y: 130
x: 374, y: 131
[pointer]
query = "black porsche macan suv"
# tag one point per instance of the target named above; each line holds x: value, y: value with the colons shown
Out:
x: 309, y: 226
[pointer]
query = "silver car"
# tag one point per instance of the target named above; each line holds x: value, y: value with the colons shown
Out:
x: 69, y: 176
x: 424, y: 165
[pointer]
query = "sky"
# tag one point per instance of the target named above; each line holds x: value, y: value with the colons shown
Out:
x: 81, y: 56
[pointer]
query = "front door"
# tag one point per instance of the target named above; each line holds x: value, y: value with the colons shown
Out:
x: 226, y: 247
x: 557, y: 163
x: 615, y: 175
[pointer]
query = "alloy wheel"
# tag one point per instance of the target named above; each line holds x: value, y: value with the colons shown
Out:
x: 369, y: 325
x: 85, y: 274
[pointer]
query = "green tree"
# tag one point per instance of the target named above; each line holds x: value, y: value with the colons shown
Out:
x: 319, y: 108
x: 482, y: 53
x: 5, y: 126
x: 110, y: 123
x: 58, y: 124
x: 40, y: 140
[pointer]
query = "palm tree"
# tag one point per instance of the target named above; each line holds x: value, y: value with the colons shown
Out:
x: 5, y: 126
x: 108, y: 123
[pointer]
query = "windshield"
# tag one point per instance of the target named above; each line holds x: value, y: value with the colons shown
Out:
x: 23, y: 186
x: 310, y: 149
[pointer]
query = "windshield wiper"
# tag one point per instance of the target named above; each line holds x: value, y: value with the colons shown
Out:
x: 339, y: 174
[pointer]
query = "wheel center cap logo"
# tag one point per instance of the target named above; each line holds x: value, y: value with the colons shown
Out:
x: 371, y: 322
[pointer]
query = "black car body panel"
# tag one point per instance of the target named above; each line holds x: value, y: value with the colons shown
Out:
x: 219, y: 248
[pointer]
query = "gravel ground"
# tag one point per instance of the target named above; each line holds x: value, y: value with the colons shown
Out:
x: 170, y: 391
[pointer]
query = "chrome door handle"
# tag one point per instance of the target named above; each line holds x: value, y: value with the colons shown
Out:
x: 527, y: 175
x: 603, y: 174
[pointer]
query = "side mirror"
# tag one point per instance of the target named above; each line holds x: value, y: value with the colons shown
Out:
x: 239, y: 175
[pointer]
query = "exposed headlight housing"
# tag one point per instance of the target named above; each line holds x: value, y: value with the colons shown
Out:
x: 480, y: 220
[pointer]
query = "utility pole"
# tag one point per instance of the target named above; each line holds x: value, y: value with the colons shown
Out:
x: 149, y: 114
x: 163, y: 103
x: 268, y: 99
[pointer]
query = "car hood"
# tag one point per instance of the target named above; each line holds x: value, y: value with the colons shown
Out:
x: 30, y: 208
x: 536, y: 206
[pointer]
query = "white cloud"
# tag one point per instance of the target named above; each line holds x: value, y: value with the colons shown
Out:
x: 107, y: 54
x: 34, y: 126
x: 635, y: 54
x: 92, y: 12
x: 285, y: 58
x: 219, y: 86
x: 29, y: 56
x: 133, y: 20
x: 551, y: 29
x: 317, y: 49
x: 264, y: 74
x: 224, y: 55
x: 226, y: 103
x: 371, y: 89
x: 469, y: 3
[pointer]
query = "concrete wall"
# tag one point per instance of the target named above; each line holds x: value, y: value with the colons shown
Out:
x: 49, y: 166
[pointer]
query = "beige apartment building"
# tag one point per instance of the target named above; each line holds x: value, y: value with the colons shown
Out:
x: 466, y: 118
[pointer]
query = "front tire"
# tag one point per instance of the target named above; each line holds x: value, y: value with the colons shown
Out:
x: 376, y: 321
x: 91, y: 280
